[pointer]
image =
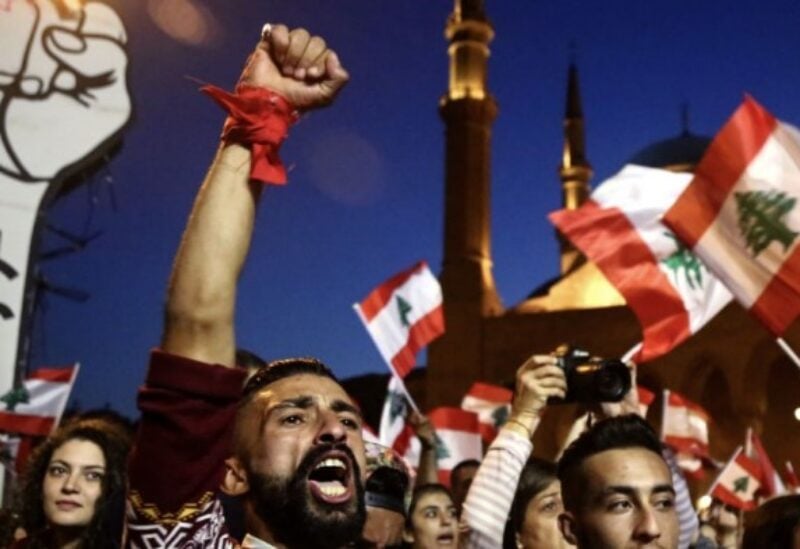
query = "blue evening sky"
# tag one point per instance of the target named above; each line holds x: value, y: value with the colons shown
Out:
x: 366, y: 191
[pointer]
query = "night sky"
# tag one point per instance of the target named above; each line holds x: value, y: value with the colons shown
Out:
x: 365, y: 194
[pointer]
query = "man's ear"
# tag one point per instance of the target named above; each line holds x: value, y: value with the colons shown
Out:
x: 235, y: 482
x: 568, y: 527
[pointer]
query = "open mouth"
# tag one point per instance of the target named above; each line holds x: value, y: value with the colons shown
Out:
x: 447, y: 538
x: 330, y: 478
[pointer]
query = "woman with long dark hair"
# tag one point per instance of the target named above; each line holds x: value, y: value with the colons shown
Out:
x: 72, y: 496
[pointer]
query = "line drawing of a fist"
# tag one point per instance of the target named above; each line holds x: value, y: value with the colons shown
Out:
x: 63, y: 85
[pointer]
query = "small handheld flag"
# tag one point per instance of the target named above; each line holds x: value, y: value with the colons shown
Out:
x: 403, y: 315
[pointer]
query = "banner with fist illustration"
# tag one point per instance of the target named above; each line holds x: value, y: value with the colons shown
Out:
x: 63, y: 102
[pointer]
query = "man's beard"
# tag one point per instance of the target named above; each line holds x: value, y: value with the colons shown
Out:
x: 296, y: 518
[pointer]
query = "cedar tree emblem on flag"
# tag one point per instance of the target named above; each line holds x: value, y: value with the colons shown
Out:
x: 762, y: 219
x: 683, y: 261
x: 397, y: 405
x: 403, y: 308
x: 393, y: 430
x: 15, y: 396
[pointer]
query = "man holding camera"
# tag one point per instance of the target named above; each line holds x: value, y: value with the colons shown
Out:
x: 618, y: 488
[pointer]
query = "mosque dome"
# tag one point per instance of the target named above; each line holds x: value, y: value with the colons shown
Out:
x: 678, y: 154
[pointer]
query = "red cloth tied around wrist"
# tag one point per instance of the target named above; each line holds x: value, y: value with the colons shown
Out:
x: 259, y: 119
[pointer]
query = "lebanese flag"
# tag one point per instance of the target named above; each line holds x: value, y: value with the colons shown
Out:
x: 492, y: 403
x: 458, y: 438
x: 394, y: 432
x: 738, y: 214
x: 771, y: 482
x: 36, y: 407
x: 691, y: 465
x: 403, y: 315
x: 738, y: 482
x: 646, y: 398
x: 619, y: 228
x: 685, y: 426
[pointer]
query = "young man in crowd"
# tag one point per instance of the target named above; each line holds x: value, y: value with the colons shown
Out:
x: 291, y: 447
x: 617, y: 489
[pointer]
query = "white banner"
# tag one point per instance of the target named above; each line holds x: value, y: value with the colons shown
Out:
x: 64, y: 100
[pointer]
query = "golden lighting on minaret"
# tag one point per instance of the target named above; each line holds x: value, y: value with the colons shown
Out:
x: 469, y: 33
x: 575, y: 170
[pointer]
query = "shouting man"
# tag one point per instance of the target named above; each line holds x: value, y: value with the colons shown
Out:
x: 289, y: 446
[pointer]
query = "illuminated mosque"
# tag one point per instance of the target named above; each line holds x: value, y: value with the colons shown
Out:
x: 732, y: 367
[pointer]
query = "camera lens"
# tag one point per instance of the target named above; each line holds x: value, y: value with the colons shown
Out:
x: 612, y: 381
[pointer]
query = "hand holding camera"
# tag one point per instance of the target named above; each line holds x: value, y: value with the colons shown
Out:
x: 539, y: 379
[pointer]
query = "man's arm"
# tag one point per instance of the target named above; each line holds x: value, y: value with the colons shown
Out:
x: 189, y: 402
x: 202, y: 292
x: 428, y: 469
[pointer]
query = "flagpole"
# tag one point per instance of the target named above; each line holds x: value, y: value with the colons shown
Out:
x: 748, y: 451
x: 789, y: 351
x: 748, y: 442
x: 632, y: 351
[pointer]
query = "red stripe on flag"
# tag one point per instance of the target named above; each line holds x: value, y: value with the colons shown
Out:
x: 454, y: 419
x: 403, y: 441
x: 493, y: 393
x: 63, y: 375
x: 423, y: 331
x: 679, y: 401
x: 687, y: 445
x: 726, y: 159
x: 379, y: 297
x: 779, y: 303
x: 607, y: 237
x: 26, y: 424
x: 646, y: 396
x: 488, y: 433
x: 729, y: 498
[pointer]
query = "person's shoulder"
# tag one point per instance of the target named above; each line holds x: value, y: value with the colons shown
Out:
x: 183, y: 374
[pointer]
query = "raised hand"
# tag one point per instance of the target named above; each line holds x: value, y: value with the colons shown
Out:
x: 423, y: 429
x: 298, y: 66
x: 538, y: 379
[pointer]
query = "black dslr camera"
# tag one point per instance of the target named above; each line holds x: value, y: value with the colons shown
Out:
x: 591, y: 379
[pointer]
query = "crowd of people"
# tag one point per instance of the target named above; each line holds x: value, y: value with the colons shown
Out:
x: 235, y: 454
